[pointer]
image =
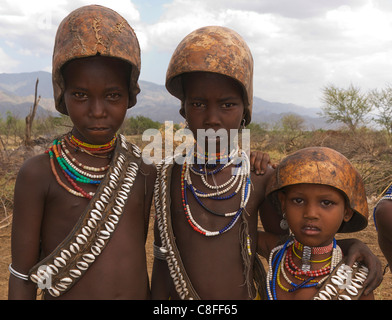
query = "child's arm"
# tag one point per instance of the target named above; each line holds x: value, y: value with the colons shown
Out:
x: 26, y: 227
x: 160, y: 280
x: 149, y: 173
x: 270, y: 215
x: 266, y: 242
x: 383, y: 216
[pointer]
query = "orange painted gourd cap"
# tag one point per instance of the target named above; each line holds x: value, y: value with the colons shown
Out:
x: 320, y: 165
x: 89, y: 31
x: 213, y: 49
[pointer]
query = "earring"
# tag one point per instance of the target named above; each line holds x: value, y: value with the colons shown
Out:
x: 283, y: 223
x: 186, y: 124
x: 242, y: 124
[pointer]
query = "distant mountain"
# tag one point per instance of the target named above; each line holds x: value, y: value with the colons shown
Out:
x: 17, y: 96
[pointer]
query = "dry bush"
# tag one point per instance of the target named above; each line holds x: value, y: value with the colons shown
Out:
x: 369, y: 151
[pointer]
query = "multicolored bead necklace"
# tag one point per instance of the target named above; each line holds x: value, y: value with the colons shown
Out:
x: 281, y: 260
x: 73, y: 170
x: 92, y: 147
x: 242, y: 175
x: 99, y: 151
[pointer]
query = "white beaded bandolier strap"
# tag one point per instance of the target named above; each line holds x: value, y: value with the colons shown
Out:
x: 75, y: 254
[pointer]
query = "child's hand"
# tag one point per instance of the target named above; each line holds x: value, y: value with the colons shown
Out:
x: 358, y: 251
x: 259, y: 162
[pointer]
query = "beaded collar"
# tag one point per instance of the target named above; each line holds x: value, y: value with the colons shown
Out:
x: 280, y: 261
x: 74, y: 171
x: 75, y: 254
x: 241, y: 176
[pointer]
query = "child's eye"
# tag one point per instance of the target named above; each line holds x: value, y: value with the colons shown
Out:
x: 327, y: 203
x: 80, y: 95
x: 228, y: 105
x: 298, y: 200
x: 198, y: 104
x: 114, y: 96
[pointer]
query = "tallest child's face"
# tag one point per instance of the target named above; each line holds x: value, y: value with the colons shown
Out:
x: 96, y: 97
x: 212, y: 101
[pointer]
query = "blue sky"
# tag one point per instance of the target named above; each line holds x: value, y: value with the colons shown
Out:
x: 299, y: 46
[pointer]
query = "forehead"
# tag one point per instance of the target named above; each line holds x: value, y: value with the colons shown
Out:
x: 208, y: 82
x: 96, y: 66
x: 313, y: 189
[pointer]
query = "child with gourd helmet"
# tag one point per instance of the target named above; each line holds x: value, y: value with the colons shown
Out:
x: 325, y: 166
x: 90, y: 31
x: 320, y: 194
x: 213, y: 49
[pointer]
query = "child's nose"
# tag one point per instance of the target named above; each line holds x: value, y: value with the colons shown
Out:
x: 211, y: 117
x: 310, y: 211
x: 97, y: 108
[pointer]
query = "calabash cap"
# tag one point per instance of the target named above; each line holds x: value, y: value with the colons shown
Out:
x: 89, y: 31
x: 319, y: 165
x: 213, y: 49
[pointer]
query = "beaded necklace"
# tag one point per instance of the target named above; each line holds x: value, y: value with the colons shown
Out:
x: 77, y: 163
x: 209, y: 159
x: 186, y: 183
x: 71, y: 168
x: 280, y: 260
x: 93, y: 147
x: 103, y: 151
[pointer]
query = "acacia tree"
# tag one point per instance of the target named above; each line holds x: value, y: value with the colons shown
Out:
x: 382, y: 101
x: 293, y: 126
x: 348, y: 106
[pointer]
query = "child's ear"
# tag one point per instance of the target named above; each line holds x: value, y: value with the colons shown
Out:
x: 282, y: 200
x: 348, y: 214
x: 182, y: 110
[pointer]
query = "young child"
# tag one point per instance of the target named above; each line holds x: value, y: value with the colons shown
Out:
x: 207, y: 207
x: 82, y: 209
x: 320, y: 194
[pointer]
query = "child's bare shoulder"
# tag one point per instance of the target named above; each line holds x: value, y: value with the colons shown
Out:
x: 385, y: 205
x: 35, y: 169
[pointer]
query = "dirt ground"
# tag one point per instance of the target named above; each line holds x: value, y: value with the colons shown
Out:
x: 368, y: 236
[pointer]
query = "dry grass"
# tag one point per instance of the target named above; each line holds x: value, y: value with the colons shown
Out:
x: 9, y: 168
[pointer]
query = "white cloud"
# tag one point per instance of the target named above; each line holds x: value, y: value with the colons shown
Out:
x: 298, y: 46
x: 31, y: 25
x: 7, y: 64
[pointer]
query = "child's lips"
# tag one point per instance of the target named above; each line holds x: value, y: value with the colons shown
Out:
x: 98, y: 128
x: 310, y: 230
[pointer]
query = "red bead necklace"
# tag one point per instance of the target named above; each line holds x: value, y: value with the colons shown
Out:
x: 296, y: 271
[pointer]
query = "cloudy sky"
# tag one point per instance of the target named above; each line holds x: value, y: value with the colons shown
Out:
x: 299, y: 46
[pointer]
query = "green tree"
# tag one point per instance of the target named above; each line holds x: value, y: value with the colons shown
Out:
x: 292, y: 123
x: 138, y: 124
x: 382, y: 102
x: 348, y: 106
